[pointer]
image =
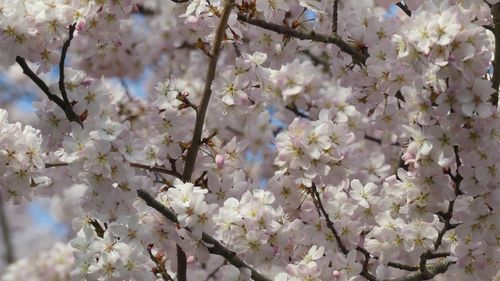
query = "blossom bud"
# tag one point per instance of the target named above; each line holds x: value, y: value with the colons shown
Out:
x: 219, y: 161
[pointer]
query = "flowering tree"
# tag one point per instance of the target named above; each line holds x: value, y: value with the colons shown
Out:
x: 280, y: 140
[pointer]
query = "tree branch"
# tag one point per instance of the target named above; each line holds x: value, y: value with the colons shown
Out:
x: 293, y: 108
x: 404, y: 8
x: 335, y: 16
x: 357, y: 56
x: 403, y: 266
x: 432, y: 270
x: 181, y: 263
x: 214, y: 246
x: 160, y: 264
x: 157, y: 169
x: 329, y: 223
x: 62, y: 87
x: 495, y: 11
x: 68, y: 110
x: 207, y: 92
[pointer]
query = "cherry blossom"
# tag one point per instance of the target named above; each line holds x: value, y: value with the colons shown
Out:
x: 255, y: 140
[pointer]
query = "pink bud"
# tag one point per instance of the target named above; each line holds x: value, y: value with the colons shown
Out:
x: 86, y: 83
x: 219, y: 161
x: 336, y: 274
x: 80, y: 26
x: 190, y: 259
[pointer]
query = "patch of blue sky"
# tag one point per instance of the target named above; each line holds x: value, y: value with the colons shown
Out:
x: 392, y: 11
x: 44, y: 219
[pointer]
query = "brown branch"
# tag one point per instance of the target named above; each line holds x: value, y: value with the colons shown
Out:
x: 160, y: 264
x: 404, y: 8
x: 335, y: 16
x: 214, y: 246
x: 4, y: 224
x: 63, y: 103
x: 495, y: 11
x: 67, y: 108
x: 447, y: 225
x: 181, y: 264
x: 99, y: 230
x: 329, y: 222
x: 293, y: 108
x: 67, y: 43
x: 135, y: 165
x: 157, y: 169
x: 357, y: 56
x: 403, y: 266
x: 446, y: 217
x: 432, y: 270
x: 207, y: 92
x: 364, y: 272
x: 50, y: 165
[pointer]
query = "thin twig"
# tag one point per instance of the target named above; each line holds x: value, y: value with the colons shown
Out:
x: 126, y: 88
x: 64, y: 51
x: 160, y: 265
x: 135, y: 165
x: 357, y: 56
x: 157, y: 169
x: 213, y: 246
x: 293, y: 108
x: 329, y: 223
x: 207, y: 92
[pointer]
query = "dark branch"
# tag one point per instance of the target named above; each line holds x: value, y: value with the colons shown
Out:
x: 335, y: 16
x: 68, y: 110
x: 215, y: 247
x: 404, y: 8
x: 293, y: 108
x: 403, y: 266
x: 160, y: 265
x: 157, y: 169
x: 432, y: 270
x: 495, y: 11
x: 329, y: 222
x: 207, y: 92
x: 181, y: 264
x: 62, y: 87
x: 357, y: 56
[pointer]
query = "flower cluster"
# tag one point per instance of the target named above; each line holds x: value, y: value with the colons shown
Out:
x: 21, y: 159
x: 327, y: 140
